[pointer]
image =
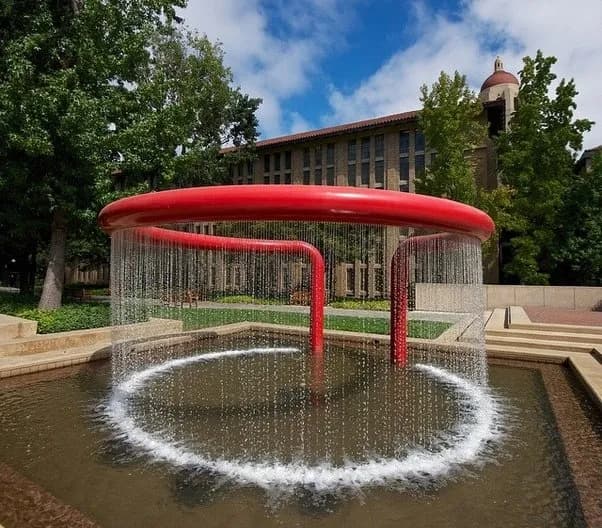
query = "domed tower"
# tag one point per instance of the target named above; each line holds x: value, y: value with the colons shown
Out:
x: 498, y: 95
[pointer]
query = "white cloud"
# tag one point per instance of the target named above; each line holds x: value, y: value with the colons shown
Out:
x: 571, y: 31
x: 269, y: 64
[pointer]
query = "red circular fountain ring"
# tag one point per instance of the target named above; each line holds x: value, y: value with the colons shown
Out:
x: 296, y: 202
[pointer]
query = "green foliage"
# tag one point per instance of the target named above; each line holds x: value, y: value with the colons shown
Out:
x: 181, y: 112
x: 69, y: 317
x: 358, y: 304
x: 578, y: 253
x: 536, y: 158
x: 450, y: 120
x: 246, y: 299
x: 89, y: 86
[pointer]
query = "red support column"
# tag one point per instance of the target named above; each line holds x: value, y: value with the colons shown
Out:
x: 399, y: 305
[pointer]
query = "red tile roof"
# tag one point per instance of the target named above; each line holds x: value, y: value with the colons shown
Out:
x: 334, y: 130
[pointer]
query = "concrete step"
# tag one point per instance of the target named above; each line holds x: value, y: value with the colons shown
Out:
x: 561, y: 346
x: 526, y: 354
x: 548, y: 327
x: 568, y: 337
x: 13, y: 327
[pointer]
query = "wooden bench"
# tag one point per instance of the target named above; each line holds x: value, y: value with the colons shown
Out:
x: 302, y: 297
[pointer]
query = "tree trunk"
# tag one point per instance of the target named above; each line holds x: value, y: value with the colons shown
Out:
x: 52, y: 291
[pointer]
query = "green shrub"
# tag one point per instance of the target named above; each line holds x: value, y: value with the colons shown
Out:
x: 359, y: 304
x: 246, y: 299
x: 69, y: 317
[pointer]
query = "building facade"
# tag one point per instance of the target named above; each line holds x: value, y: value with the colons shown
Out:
x: 387, y: 152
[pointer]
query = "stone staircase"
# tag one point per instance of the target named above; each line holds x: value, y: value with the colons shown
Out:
x: 510, y: 334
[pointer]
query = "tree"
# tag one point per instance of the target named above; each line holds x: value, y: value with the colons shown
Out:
x: 535, y: 159
x: 451, y: 122
x: 578, y: 253
x: 182, y: 111
x: 79, y: 82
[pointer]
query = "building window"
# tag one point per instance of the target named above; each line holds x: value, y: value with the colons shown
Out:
x: 250, y: 168
x: 366, y: 148
x: 266, y: 179
x: 419, y: 142
x: 277, y: 161
x: 379, y: 146
x: 306, y: 177
x: 330, y: 154
x: 318, y: 156
x: 249, y: 181
x: 419, y: 166
x: 351, y: 174
x: 287, y: 178
x: 276, y: 178
x: 330, y: 176
x: 404, y: 174
x: 318, y: 176
x: 266, y: 163
x: 363, y: 280
x: 287, y: 160
x: 351, y: 151
x: 306, y: 157
x: 404, y: 142
x: 350, y: 280
x: 365, y: 182
x: 379, y: 174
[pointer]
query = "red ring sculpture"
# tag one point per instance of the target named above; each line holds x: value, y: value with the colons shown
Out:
x: 297, y: 202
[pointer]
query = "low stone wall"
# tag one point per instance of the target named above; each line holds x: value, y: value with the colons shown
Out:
x: 570, y: 297
x: 443, y: 297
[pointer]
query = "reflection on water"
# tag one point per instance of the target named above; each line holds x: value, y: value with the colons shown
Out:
x: 51, y: 433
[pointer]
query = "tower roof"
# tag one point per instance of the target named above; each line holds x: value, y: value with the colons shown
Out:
x: 499, y: 76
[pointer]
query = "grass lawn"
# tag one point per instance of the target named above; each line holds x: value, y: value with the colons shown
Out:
x: 79, y: 316
x: 205, y: 317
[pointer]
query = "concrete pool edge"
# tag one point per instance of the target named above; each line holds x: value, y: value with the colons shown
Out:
x: 586, y: 366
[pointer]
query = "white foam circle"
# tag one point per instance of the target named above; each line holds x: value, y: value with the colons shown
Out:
x: 481, y: 424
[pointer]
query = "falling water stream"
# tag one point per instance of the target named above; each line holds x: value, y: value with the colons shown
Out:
x: 266, y: 415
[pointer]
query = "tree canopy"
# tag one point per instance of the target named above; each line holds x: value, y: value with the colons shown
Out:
x: 98, y: 89
x: 451, y: 122
x: 536, y: 158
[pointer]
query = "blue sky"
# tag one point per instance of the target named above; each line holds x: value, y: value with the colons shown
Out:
x: 323, y: 62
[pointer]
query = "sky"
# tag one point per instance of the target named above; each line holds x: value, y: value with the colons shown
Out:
x: 319, y: 63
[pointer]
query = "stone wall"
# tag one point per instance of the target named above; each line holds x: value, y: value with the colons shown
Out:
x: 502, y: 296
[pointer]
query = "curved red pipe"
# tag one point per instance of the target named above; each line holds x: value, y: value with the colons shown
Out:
x: 212, y: 242
x: 296, y: 202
